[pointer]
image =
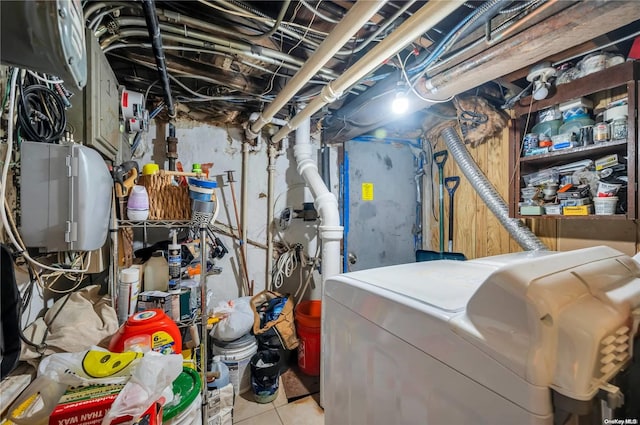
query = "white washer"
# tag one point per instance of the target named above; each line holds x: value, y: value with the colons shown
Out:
x: 483, y: 341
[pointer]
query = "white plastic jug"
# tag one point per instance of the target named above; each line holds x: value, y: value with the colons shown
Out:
x: 223, y: 370
x: 156, y: 273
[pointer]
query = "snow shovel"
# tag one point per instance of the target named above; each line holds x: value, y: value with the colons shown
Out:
x: 451, y: 183
x: 423, y: 255
x: 440, y: 158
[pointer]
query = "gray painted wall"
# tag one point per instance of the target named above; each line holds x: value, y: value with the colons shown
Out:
x: 380, y: 230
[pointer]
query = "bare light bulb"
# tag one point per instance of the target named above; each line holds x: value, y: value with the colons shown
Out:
x: 540, y: 90
x: 400, y: 103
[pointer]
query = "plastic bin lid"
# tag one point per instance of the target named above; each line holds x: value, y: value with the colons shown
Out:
x: 186, y: 388
x: 209, y: 184
x: 244, y: 341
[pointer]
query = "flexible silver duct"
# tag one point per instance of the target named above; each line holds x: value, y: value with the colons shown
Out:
x: 520, y: 233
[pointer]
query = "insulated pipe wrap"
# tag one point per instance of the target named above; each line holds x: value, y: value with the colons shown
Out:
x: 151, y: 18
x: 520, y: 233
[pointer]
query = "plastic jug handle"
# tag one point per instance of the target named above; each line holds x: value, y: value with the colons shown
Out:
x: 49, y: 392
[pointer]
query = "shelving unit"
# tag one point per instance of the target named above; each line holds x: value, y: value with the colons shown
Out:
x: 199, y: 321
x: 622, y: 78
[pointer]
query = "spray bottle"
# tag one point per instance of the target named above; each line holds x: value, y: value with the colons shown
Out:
x: 175, y: 264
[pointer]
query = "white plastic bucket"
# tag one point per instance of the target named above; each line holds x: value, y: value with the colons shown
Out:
x: 237, y: 355
x: 606, y: 205
x: 607, y: 190
x: 190, y: 416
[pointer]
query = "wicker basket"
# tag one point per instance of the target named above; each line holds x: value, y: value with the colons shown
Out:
x: 166, y: 201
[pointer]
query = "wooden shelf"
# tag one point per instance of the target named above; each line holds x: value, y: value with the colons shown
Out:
x: 615, y: 217
x: 602, y: 148
x: 606, y: 79
x: 623, y: 78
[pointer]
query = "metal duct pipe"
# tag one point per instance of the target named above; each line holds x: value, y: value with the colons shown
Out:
x: 153, y: 26
x: 357, y: 16
x: 421, y: 21
x: 520, y: 233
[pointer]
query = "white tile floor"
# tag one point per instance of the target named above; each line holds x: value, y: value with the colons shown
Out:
x: 305, y: 411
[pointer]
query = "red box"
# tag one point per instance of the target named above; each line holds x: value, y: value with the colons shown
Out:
x: 88, y: 405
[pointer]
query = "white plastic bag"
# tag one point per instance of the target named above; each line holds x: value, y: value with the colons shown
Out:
x: 149, y: 378
x: 237, y: 320
x: 58, y: 371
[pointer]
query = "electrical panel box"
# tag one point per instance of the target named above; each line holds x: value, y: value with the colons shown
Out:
x: 46, y: 36
x: 65, y: 197
x: 95, y: 115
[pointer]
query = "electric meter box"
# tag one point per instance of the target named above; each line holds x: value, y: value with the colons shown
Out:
x: 65, y: 197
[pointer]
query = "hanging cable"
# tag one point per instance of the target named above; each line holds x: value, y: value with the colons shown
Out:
x: 287, y: 263
x: 3, y: 181
x: 41, y: 114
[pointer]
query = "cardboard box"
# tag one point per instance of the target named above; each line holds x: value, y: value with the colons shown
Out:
x: 169, y: 303
x: 606, y: 162
x: 578, y: 210
x: 531, y: 210
x: 88, y: 405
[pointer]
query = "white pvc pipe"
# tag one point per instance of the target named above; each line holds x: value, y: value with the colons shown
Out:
x: 325, y: 202
x: 420, y: 22
x: 355, y: 18
x: 244, y: 205
x: 277, y: 121
x: 327, y: 206
x: 271, y: 168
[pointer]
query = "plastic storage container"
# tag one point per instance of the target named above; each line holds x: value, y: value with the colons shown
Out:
x: 605, y: 206
x: 156, y: 273
x: 307, y: 317
x: 128, y: 289
x: 185, y: 408
x: 573, y: 125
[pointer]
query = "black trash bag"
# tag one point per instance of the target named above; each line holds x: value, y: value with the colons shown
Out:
x: 271, y: 342
x: 265, y: 375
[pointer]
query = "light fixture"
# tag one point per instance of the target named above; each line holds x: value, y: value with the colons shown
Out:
x: 400, y: 103
x: 540, y: 76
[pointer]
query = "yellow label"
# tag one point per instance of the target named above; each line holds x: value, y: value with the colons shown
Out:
x: 367, y: 191
x: 162, y: 342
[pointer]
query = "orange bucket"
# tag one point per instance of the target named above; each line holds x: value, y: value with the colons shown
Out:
x: 308, y: 321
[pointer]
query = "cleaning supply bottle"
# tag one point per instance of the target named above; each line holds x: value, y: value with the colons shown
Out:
x: 156, y: 273
x: 175, y: 264
x: 218, y: 376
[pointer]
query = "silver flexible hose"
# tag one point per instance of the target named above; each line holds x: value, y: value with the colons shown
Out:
x: 516, y: 228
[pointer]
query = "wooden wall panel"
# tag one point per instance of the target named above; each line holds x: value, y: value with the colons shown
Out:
x: 480, y: 155
x: 478, y: 233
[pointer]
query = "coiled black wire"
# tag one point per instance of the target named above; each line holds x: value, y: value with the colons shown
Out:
x: 41, y: 114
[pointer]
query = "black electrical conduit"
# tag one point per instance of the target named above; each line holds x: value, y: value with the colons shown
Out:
x: 153, y: 26
x: 516, y: 228
x: 276, y: 24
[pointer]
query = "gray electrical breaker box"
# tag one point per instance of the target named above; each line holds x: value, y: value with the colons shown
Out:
x: 65, y: 197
